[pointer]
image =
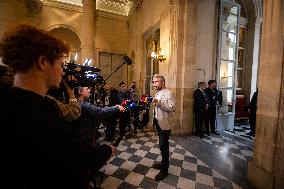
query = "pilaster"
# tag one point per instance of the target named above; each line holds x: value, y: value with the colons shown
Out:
x: 266, y: 167
x: 88, y: 31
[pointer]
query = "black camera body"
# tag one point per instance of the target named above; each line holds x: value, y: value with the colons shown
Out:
x: 79, y: 75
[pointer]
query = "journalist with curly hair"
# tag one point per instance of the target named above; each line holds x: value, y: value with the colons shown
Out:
x: 38, y: 148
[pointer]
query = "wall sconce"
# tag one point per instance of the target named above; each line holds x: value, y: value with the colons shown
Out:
x: 159, y: 55
x: 224, y: 75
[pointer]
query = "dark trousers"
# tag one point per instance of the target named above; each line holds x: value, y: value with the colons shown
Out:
x: 200, y: 118
x: 252, y: 120
x: 110, y: 125
x: 212, y: 117
x: 164, y: 136
x: 145, y: 118
x: 135, y: 115
x: 124, y: 121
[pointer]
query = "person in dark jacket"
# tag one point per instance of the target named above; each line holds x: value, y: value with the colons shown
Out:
x: 252, y: 112
x: 215, y: 99
x: 124, y: 119
x: 135, y: 97
x: 110, y: 99
x: 37, y: 144
x: 200, y: 107
x: 90, y: 114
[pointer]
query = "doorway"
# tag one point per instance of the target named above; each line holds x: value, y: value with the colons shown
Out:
x: 227, y: 62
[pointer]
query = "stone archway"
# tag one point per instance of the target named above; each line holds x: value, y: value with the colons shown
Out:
x: 253, y: 23
x: 70, y: 36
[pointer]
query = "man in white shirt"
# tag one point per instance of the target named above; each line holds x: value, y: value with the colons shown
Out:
x: 163, y: 118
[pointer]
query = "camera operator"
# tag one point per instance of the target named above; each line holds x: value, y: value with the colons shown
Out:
x: 38, y: 147
x: 70, y: 110
x: 90, y: 114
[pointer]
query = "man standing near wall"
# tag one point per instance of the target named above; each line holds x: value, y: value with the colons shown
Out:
x: 200, y: 107
x: 215, y: 98
x: 163, y: 117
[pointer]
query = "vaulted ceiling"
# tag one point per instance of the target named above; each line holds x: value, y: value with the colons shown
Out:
x: 122, y: 7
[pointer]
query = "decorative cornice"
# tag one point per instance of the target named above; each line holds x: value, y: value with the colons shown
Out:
x: 122, y: 7
x: 63, y: 5
x: 33, y: 7
x: 116, y: 7
x: 243, y: 22
x: 111, y: 15
x: 258, y: 21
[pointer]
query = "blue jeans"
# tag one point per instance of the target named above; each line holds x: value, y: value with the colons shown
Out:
x: 164, y: 136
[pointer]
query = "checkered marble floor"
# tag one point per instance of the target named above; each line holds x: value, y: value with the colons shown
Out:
x: 131, y: 166
x: 241, y: 129
x: 231, y: 145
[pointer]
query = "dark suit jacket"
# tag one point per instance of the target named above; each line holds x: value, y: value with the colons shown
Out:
x: 200, y: 101
x: 214, y: 96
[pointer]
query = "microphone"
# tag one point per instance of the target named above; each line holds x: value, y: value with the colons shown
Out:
x: 126, y: 60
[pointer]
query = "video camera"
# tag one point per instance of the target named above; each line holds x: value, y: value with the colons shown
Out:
x: 81, y: 75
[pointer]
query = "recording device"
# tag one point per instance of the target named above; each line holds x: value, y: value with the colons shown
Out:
x: 85, y: 75
x: 81, y: 75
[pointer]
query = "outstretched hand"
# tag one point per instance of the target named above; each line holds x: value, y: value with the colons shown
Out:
x: 121, y: 108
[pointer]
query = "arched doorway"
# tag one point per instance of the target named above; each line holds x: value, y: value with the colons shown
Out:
x: 241, y: 82
x: 152, y: 43
x: 71, y: 38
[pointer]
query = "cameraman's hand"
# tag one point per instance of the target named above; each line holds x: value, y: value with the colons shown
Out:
x: 113, y: 150
x: 121, y: 108
x: 69, y: 90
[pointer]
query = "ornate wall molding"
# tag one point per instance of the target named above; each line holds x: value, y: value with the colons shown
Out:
x: 111, y: 15
x: 64, y: 26
x: 122, y: 7
x: 33, y: 7
x: 258, y: 8
x: 63, y: 5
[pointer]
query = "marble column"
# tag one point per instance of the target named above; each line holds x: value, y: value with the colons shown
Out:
x: 266, y: 168
x: 183, y: 33
x: 88, y: 31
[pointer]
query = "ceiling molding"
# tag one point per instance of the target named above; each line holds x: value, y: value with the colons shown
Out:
x: 122, y: 7
x: 63, y: 5
x: 111, y: 15
x: 115, y: 7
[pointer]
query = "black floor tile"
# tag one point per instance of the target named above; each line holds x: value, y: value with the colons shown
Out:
x: 204, y: 170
